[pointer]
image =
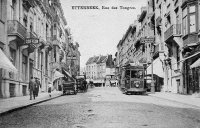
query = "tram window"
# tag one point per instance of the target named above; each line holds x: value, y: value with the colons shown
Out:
x: 128, y: 74
x: 123, y: 74
x: 140, y: 74
x: 133, y: 74
x: 136, y: 74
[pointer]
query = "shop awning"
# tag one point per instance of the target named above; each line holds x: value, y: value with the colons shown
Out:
x: 57, y: 75
x: 157, y: 68
x: 195, y: 64
x: 5, y: 63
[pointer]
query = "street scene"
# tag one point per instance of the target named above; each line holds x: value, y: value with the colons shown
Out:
x: 105, y: 108
x: 99, y: 63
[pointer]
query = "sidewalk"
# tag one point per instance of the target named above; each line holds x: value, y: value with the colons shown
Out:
x: 15, y: 103
x: 184, y: 99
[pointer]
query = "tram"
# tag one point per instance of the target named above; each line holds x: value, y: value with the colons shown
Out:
x: 132, y: 79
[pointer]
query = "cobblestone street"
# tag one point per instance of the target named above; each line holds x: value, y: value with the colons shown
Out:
x: 104, y: 108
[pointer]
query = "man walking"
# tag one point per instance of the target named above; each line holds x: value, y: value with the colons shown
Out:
x: 50, y: 86
x: 37, y: 81
x: 32, y: 88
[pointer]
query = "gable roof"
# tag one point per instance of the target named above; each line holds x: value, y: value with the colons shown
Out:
x: 92, y: 60
x: 102, y: 59
x: 89, y: 60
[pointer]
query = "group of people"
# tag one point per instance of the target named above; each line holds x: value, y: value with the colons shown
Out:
x: 34, y: 86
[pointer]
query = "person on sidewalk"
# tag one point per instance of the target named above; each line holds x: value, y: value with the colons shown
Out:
x: 32, y: 88
x: 50, y: 86
x: 38, y: 85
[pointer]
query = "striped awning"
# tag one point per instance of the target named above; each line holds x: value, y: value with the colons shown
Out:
x: 195, y: 64
x: 5, y: 63
x: 57, y: 75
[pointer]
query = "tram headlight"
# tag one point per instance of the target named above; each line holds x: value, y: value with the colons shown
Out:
x: 137, y: 84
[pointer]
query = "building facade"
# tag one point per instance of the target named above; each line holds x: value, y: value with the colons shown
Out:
x: 34, y: 39
x: 98, y: 67
x: 174, y: 28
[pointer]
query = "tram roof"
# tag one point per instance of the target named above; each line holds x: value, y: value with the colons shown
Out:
x: 133, y: 65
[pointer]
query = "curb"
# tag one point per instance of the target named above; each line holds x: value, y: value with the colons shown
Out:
x: 194, y: 106
x: 25, y: 106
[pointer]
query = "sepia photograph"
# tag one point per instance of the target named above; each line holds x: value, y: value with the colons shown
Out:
x: 99, y: 63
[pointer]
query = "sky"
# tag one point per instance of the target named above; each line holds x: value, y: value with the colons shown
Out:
x: 98, y: 31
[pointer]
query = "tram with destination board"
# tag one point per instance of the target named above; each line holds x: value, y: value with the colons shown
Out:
x: 132, y: 80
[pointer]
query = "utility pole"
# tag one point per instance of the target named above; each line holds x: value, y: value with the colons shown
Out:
x: 152, y: 80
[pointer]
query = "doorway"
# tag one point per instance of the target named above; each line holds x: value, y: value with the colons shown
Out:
x: 30, y: 68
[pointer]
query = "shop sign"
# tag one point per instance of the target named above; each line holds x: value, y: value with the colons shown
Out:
x: 71, y: 58
x: 147, y: 40
x: 32, y: 40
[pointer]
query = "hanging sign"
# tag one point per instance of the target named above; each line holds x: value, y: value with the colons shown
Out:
x: 32, y: 41
x: 147, y: 40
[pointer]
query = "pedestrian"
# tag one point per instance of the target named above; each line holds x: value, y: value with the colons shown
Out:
x: 50, y: 86
x: 85, y: 85
x: 32, y: 88
x: 38, y: 85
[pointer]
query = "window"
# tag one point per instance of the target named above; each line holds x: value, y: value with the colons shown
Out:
x: 185, y: 28
x: 2, y: 10
x: 13, y: 55
x: 192, y: 18
x: 192, y: 23
x: 25, y: 20
x: 38, y: 64
x: 46, y: 62
x: 189, y: 19
x: 178, y: 57
x: 24, y: 67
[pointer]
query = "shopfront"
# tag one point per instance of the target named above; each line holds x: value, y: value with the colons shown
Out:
x: 191, y: 71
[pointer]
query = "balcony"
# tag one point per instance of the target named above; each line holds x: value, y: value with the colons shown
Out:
x: 173, y: 31
x: 56, y: 41
x: 55, y: 65
x: 15, y: 28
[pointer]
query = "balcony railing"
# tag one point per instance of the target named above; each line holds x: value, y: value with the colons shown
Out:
x: 174, y: 30
x: 16, y: 28
x: 31, y: 35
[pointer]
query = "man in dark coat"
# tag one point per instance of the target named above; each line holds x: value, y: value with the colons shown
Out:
x: 32, y: 88
x: 85, y: 85
x: 37, y: 81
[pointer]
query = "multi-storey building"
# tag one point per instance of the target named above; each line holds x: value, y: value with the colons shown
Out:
x: 138, y: 43
x: 177, y: 30
x: 190, y: 51
x: 98, y: 67
x: 35, y: 43
x: 174, y: 24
